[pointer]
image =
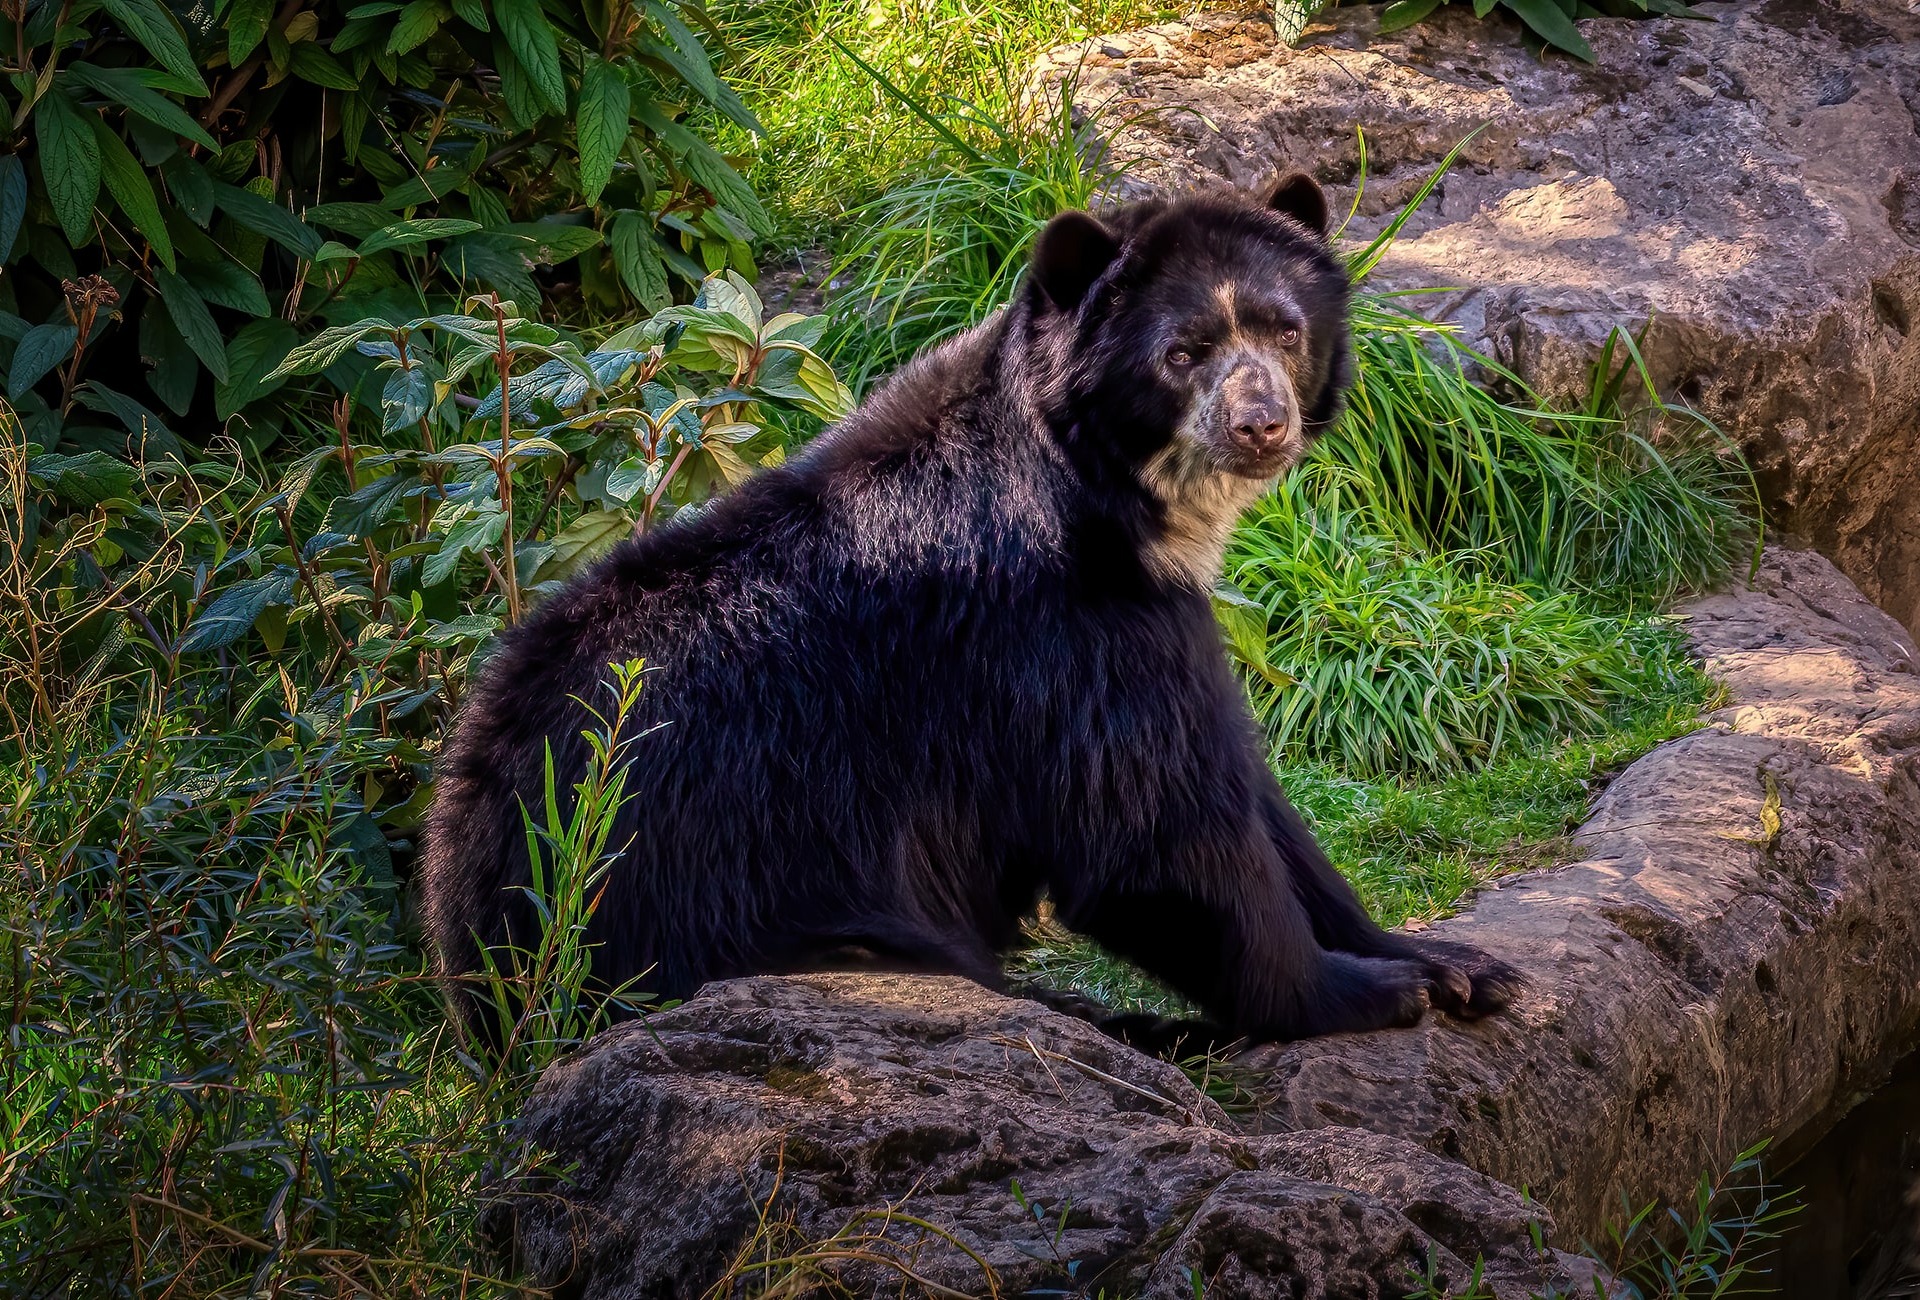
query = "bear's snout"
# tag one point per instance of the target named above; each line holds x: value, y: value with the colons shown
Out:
x: 1258, y: 407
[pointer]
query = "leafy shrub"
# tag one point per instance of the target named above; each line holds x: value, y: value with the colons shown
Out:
x: 1548, y: 23
x: 189, y: 194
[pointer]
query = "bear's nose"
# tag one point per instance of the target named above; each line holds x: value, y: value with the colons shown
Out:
x: 1259, y: 425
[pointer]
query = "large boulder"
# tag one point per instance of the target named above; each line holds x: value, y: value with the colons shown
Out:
x: 1736, y: 956
x: 920, y: 1133
x: 1751, y: 184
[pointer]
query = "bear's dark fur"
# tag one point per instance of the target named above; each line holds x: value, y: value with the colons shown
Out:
x: 959, y: 653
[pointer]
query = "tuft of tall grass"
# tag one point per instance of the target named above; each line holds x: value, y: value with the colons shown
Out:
x: 1381, y: 659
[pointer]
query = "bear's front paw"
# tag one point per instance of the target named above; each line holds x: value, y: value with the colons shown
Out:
x: 1467, y: 982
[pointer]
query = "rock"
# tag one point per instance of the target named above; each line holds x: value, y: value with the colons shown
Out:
x: 1735, y: 957
x: 768, y: 1116
x: 1751, y: 184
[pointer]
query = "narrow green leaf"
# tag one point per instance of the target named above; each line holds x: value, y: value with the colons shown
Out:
x: 246, y: 25
x: 150, y: 434
x: 704, y: 165
x: 190, y: 316
x: 69, y: 157
x: 1550, y: 22
x: 601, y: 124
x: 531, y: 37
x: 312, y: 64
x: 401, y: 234
x: 127, y: 87
x: 1405, y: 13
x: 473, y: 13
x: 416, y: 25
x: 127, y: 181
x: 636, y: 257
x: 13, y: 203
x: 147, y: 22
x: 264, y: 216
x: 36, y: 355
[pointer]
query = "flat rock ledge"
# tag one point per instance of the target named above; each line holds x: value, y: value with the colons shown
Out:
x: 1735, y: 956
x: 1750, y: 185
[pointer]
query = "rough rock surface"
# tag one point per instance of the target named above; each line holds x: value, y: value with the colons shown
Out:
x: 1736, y: 955
x: 767, y: 1114
x: 1752, y: 184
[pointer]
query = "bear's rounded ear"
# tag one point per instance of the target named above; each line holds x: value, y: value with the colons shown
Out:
x: 1299, y: 196
x: 1069, y: 256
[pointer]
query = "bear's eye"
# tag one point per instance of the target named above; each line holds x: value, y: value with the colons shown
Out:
x: 1179, y: 358
x: 1289, y: 337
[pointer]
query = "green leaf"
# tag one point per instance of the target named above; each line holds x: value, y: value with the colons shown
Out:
x: 235, y: 610
x: 418, y: 231
x: 13, y: 203
x: 583, y: 541
x: 43, y: 348
x: 472, y: 12
x: 150, y: 433
x: 86, y: 479
x: 312, y: 64
x: 531, y: 38
x: 254, y: 353
x: 547, y: 243
x: 474, y: 533
x: 1550, y: 22
x: 356, y: 219
x: 265, y: 217
x: 127, y: 87
x: 1405, y: 13
x: 223, y: 282
x: 525, y: 107
x: 155, y: 29
x: 407, y: 397
x: 327, y: 347
x: 601, y: 124
x: 175, y: 372
x: 704, y: 165
x: 636, y: 256
x: 190, y: 316
x: 246, y: 24
x: 416, y: 25
x: 69, y: 162
x: 127, y: 181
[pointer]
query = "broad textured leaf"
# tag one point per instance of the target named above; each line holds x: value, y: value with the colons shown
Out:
x: 190, y: 316
x: 637, y: 259
x: 191, y: 187
x: 356, y: 219
x: 127, y: 87
x: 234, y: 611
x: 223, y: 282
x: 256, y: 351
x: 327, y: 347
x: 35, y: 356
x: 264, y: 216
x: 246, y: 25
x: 360, y: 512
x: 13, y: 203
x: 150, y: 434
x: 69, y: 156
x: 407, y: 396
x: 531, y: 38
x: 416, y: 25
x: 86, y: 479
x: 525, y: 106
x: 472, y: 12
x: 311, y: 63
x: 476, y: 532
x: 545, y: 242
x: 403, y: 233
x: 154, y: 28
x: 601, y: 124
x: 127, y: 181
x: 1551, y: 23
x: 175, y: 370
x: 583, y: 541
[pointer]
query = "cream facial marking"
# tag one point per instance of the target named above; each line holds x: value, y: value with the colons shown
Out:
x: 1202, y: 497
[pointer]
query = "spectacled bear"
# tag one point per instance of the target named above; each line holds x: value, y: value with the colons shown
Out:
x: 960, y: 653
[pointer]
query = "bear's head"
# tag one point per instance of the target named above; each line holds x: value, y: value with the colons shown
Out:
x: 1201, y: 341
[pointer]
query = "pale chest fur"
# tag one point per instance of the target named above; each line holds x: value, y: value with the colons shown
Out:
x: 1202, y: 505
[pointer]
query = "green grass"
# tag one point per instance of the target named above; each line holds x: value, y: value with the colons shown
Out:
x: 835, y: 138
